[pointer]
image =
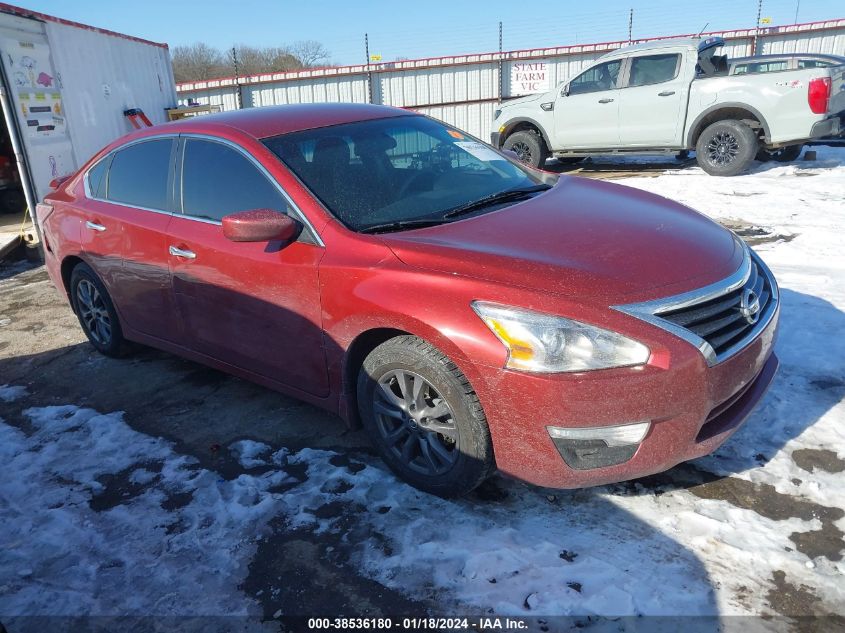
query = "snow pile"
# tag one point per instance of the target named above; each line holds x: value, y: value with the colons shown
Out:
x: 96, y: 518
x: 10, y: 393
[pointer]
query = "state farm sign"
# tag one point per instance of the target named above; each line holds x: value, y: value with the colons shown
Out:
x: 529, y: 78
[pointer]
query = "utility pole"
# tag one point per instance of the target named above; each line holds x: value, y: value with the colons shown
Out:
x: 369, y: 72
x: 797, y: 6
x: 630, y: 25
x: 501, y: 65
x: 238, y: 95
x: 757, y: 27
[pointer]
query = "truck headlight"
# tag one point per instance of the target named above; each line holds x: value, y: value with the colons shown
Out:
x: 496, y: 114
x: 545, y: 343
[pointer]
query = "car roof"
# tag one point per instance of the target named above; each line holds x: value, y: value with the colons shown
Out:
x: 692, y: 43
x: 274, y: 120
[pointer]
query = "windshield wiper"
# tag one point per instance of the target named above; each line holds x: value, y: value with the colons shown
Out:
x: 398, y: 225
x: 496, y: 198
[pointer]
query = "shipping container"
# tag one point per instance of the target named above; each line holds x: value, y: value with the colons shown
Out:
x: 65, y: 87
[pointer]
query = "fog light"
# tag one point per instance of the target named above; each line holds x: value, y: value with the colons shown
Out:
x: 597, y: 447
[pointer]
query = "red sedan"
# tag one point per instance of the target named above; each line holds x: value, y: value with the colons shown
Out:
x: 472, y: 313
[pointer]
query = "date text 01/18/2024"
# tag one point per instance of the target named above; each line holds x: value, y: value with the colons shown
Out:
x: 418, y: 624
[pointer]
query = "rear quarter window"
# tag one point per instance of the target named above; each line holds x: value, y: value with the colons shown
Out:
x: 97, y: 178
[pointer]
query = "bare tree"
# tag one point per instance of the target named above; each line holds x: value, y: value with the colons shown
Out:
x: 197, y: 62
x: 200, y: 62
x: 310, y: 53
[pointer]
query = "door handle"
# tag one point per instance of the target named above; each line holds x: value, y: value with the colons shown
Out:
x: 94, y: 226
x: 605, y: 100
x: 179, y: 252
x: 666, y: 93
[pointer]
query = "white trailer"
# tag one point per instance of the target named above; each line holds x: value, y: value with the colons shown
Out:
x: 64, y: 88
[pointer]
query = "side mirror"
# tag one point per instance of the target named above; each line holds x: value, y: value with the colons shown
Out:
x: 565, y: 91
x: 260, y: 225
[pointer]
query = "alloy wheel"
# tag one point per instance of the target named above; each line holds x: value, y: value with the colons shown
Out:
x: 523, y: 151
x: 722, y: 149
x: 415, y: 422
x: 93, y: 311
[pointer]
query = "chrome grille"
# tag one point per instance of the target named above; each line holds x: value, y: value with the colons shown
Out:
x: 729, y: 318
x: 720, y: 319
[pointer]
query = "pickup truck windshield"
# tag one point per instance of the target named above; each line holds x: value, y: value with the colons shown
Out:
x: 401, y: 172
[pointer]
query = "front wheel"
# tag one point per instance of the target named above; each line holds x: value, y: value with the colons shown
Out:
x: 424, y: 418
x: 781, y: 155
x: 726, y: 148
x: 529, y: 147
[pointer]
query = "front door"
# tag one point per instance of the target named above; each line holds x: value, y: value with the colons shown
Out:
x: 650, y: 110
x: 586, y: 111
x: 253, y: 305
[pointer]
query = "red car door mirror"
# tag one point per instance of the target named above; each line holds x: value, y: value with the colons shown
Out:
x: 259, y: 225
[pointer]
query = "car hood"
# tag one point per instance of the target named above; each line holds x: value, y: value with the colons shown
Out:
x: 582, y: 238
x: 522, y: 100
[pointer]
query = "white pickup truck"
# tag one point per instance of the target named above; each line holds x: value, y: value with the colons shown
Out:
x: 673, y: 96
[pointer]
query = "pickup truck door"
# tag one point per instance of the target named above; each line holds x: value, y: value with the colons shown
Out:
x: 586, y: 111
x: 652, y: 100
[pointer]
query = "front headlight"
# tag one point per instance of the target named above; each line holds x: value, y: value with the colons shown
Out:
x: 496, y: 114
x: 549, y: 344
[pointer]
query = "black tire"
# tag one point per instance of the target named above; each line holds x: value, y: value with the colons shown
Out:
x: 726, y: 148
x: 782, y: 154
x: 109, y: 342
x: 529, y: 147
x: 471, y: 451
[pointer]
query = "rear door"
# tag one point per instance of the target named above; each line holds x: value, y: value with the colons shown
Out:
x: 652, y: 101
x: 124, y: 232
x: 586, y: 111
x: 253, y: 305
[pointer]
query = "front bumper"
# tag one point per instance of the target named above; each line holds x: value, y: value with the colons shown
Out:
x: 496, y: 140
x: 693, y: 408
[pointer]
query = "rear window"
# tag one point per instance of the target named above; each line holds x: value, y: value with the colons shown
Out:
x: 760, y: 67
x: 653, y: 69
x: 138, y: 174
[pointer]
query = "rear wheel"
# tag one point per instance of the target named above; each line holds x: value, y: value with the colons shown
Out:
x: 529, y: 147
x: 726, y: 148
x: 95, y: 311
x: 781, y: 154
x: 424, y: 418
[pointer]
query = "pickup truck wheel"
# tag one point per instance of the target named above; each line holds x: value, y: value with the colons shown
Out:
x: 424, y: 418
x: 781, y: 155
x: 726, y: 148
x: 529, y: 147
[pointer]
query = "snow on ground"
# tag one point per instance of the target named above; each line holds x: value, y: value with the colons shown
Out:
x: 10, y: 393
x: 72, y: 544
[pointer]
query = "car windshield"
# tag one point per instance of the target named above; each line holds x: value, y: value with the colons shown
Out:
x: 401, y: 172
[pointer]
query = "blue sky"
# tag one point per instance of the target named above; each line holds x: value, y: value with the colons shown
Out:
x: 422, y: 29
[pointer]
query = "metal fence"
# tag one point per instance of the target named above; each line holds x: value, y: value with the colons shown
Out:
x: 463, y: 90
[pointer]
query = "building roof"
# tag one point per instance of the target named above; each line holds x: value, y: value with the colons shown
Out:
x: 273, y: 120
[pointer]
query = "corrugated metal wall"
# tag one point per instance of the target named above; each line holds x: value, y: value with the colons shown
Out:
x: 103, y: 75
x: 463, y: 90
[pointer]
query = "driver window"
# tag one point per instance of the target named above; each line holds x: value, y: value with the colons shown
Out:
x: 597, y: 78
x: 218, y: 180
